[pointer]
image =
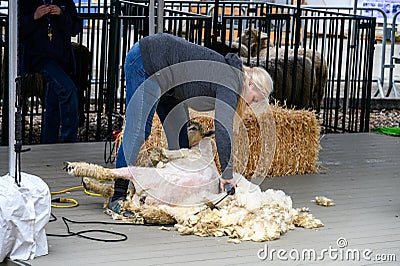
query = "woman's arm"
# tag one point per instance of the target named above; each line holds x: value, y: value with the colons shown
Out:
x: 67, y: 19
x: 27, y: 23
x: 225, y: 106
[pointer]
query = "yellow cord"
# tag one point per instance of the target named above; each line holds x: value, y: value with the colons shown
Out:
x: 66, y: 190
x: 68, y: 200
x: 65, y: 200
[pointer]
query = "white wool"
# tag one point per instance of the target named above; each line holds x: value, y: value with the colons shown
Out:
x: 250, y: 214
x: 248, y: 195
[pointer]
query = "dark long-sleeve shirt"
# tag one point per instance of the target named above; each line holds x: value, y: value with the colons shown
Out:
x: 36, y: 44
x: 201, y: 77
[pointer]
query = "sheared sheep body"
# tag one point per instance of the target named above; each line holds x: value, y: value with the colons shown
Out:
x: 192, y: 176
x: 249, y: 215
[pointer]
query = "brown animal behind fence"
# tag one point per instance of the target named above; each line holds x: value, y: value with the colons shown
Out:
x: 305, y: 79
x: 266, y: 49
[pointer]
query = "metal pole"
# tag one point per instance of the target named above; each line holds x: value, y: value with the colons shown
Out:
x: 151, y: 17
x: 160, y: 16
x: 12, y: 55
x: 353, y: 36
x: 215, y: 25
x: 355, y: 7
x: 392, y: 84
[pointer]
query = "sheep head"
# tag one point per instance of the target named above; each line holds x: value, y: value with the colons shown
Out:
x: 196, y: 132
x: 249, y: 34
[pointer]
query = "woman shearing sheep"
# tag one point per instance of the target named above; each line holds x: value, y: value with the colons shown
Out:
x: 167, y: 74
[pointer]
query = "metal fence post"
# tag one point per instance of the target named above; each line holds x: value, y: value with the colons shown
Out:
x: 393, y: 59
x: 297, y: 24
x: 113, y: 62
x: 365, y: 127
x: 215, y: 23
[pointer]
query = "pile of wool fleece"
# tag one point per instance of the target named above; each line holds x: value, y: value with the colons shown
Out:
x: 248, y: 215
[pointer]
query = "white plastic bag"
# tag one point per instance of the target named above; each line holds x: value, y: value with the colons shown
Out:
x: 24, y: 213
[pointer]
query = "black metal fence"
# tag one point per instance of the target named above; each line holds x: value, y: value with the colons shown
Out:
x: 318, y: 59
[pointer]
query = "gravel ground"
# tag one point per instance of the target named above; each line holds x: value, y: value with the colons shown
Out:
x: 384, y: 118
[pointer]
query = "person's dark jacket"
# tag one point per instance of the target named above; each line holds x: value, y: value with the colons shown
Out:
x: 201, y: 77
x: 36, y: 47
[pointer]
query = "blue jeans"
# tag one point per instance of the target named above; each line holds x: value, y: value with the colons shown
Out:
x: 61, y: 105
x: 143, y: 98
x: 139, y: 109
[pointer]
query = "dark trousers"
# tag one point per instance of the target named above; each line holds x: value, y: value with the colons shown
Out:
x: 60, y: 122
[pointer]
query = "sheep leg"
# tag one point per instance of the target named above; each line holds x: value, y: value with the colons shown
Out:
x: 104, y: 189
x: 176, y: 154
x: 82, y: 169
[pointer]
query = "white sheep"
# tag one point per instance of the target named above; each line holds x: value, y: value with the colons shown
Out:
x: 170, y: 170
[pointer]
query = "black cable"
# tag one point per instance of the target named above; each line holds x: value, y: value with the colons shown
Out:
x: 81, y: 233
x: 54, y: 218
x: 18, y: 132
x: 110, y: 140
x: 109, y: 158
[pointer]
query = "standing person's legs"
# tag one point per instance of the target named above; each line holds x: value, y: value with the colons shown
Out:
x: 142, y: 95
x: 63, y: 88
x: 51, y: 117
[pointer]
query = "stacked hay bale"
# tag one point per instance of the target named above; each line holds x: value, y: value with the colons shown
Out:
x: 297, y: 142
x: 292, y: 134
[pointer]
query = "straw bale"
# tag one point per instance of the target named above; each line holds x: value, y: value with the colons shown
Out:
x: 292, y: 134
x: 297, y: 142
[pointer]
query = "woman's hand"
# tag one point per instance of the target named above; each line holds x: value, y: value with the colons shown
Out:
x: 226, y: 181
x: 47, y: 9
x: 55, y: 10
x: 41, y: 11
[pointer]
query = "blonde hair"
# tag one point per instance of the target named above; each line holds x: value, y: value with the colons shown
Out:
x: 262, y: 81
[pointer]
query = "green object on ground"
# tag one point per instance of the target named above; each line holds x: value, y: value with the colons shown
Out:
x: 392, y: 131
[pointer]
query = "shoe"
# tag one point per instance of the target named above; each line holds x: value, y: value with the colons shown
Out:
x: 114, y: 208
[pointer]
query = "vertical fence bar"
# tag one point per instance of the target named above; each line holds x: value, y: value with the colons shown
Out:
x: 215, y: 23
x: 113, y: 63
x: 366, y: 104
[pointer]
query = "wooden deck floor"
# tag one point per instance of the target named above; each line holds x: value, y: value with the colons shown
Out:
x: 362, y: 175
